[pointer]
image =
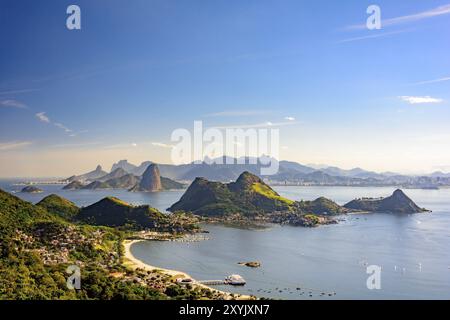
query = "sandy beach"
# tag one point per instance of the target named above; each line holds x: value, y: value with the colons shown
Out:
x: 131, y: 262
x: 136, y: 263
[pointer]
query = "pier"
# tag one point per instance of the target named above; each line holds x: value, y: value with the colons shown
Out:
x: 212, y: 282
x: 234, y: 280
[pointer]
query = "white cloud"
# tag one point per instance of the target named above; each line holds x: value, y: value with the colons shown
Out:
x: 42, y: 117
x: 432, y: 81
x: 289, y: 118
x: 442, y: 10
x: 162, y: 145
x: 13, y: 104
x: 420, y: 100
x: 134, y: 144
x: 257, y: 125
x: 61, y: 126
x: 13, y: 145
x: 372, y: 36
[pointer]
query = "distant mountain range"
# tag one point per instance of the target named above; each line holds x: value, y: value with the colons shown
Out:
x: 119, y: 178
x: 289, y: 173
x: 127, y: 175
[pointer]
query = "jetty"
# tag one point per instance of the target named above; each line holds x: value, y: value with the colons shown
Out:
x: 234, y: 280
x: 212, y: 282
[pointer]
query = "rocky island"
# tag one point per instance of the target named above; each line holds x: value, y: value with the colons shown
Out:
x: 398, y: 202
x: 31, y: 189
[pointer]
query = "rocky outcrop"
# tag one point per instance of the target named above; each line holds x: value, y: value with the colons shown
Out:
x: 119, y: 172
x: 90, y: 176
x: 74, y: 185
x: 150, y: 181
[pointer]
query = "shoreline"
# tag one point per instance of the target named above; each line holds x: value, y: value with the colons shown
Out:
x: 134, y: 263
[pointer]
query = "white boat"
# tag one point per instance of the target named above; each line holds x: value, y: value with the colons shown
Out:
x: 235, y: 280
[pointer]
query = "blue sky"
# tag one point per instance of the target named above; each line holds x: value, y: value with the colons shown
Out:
x: 137, y: 70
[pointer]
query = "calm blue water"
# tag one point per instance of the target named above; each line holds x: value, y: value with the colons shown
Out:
x: 412, y: 250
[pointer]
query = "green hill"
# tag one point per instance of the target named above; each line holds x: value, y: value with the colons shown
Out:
x: 36, y: 247
x: 249, y: 195
x: 15, y: 212
x: 114, y: 212
x: 322, y: 206
x: 60, y: 206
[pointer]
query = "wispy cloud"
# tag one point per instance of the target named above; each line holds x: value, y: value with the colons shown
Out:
x: 13, y: 104
x: 432, y: 81
x: 17, y: 91
x: 42, y: 117
x: 439, y: 11
x: 237, y: 113
x: 5, y: 146
x: 373, y: 36
x: 162, y: 145
x: 420, y: 100
x: 75, y: 145
x: 289, y: 118
x: 61, y: 126
x: 267, y: 124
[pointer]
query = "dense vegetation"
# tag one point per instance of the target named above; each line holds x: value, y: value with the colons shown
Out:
x: 56, y: 204
x: 38, y: 243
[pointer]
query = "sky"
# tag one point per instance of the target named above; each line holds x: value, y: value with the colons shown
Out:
x: 339, y: 93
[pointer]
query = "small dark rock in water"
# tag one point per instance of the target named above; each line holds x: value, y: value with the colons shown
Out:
x: 298, y: 288
x: 251, y: 264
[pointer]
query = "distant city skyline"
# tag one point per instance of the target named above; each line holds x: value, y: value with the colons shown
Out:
x: 340, y: 94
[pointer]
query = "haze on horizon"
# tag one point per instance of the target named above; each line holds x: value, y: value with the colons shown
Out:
x: 340, y: 94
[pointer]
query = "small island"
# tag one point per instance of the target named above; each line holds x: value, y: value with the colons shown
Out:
x: 31, y: 189
x: 398, y: 202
